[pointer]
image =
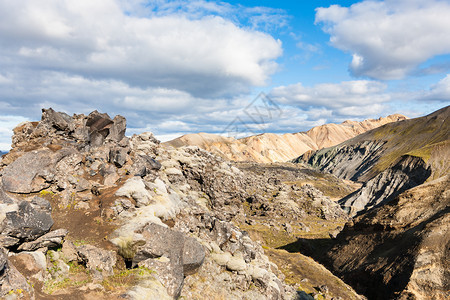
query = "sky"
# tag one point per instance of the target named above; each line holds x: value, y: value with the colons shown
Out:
x: 233, y: 68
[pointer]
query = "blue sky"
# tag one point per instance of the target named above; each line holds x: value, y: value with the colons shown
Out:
x: 176, y: 67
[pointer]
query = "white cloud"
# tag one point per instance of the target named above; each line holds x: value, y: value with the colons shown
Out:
x: 388, y: 39
x: 7, y: 124
x: 437, y: 92
x: 208, y: 56
x: 333, y: 96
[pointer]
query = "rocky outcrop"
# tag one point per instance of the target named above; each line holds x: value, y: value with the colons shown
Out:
x: 389, y: 159
x: 170, y: 254
x: 350, y: 162
x: 269, y: 147
x: 26, y: 222
x: 116, y: 205
x: 399, y: 250
x: 99, y: 262
x: 409, y: 172
x: 395, y: 246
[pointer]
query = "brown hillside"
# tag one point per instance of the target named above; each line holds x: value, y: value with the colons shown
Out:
x: 270, y: 147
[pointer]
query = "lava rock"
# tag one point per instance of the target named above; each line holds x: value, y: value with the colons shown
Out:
x: 49, y: 240
x: 97, y: 259
x: 27, y: 223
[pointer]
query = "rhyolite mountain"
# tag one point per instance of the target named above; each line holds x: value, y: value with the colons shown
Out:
x: 397, y: 247
x: 270, y: 147
x: 388, y: 159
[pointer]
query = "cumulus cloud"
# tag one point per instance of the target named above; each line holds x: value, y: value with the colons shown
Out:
x: 207, y: 56
x: 335, y: 102
x: 388, y: 39
x: 439, y: 92
x: 332, y: 95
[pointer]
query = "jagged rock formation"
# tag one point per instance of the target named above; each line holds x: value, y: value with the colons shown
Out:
x: 389, y: 159
x: 87, y: 211
x: 397, y: 246
x: 401, y: 249
x: 410, y: 171
x: 269, y: 147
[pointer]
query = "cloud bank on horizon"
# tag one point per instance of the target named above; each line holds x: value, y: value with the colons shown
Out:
x: 175, y: 67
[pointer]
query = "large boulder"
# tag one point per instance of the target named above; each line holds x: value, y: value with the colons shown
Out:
x: 33, y: 171
x: 118, y: 129
x: 58, y: 120
x: 168, y: 252
x: 98, y: 261
x: 144, y: 165
x: 98, y: 125
x: 49, y: 240
x: 30, y: 221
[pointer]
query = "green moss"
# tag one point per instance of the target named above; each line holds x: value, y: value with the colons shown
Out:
x: 126, y: 278
x: 46, y: 193
x: 424, y: 153
x: 81, y: 242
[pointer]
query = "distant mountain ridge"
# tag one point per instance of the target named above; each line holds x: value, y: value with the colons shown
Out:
x: 270, y: 147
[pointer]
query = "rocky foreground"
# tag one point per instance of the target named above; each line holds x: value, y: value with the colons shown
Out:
x: 88, y: 213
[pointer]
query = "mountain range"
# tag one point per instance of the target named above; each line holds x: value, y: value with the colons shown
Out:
x: 270, y: 147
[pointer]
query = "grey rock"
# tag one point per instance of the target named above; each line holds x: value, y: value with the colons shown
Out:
x: 144, y: 165
x: 8, y: 242
x: 97, y: 259
x: 118, y: 156
x: 82, y: 185
x: 4, y: 198
x: 12, y: 280
x: 34, y: 264
x: 98, y: 125
x: 27, y: 223
x: 33, y: 171
x: 409, y: 172
x: 96, y: 139
x: 3, y: 259
x: 287, y: 227
x: 69, y: 251
x: 59, y: 120
x: 41, y: 204
x: 118, y: 129
x: 172, y: 253
x: 170, y: 274
x: 160, y: 241
x: 49, y: 240
x: 193, y: 256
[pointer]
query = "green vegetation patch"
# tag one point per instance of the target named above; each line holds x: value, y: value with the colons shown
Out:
x: 126, y: 278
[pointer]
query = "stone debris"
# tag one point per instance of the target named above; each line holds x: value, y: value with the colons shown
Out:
x: 174, y: 211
